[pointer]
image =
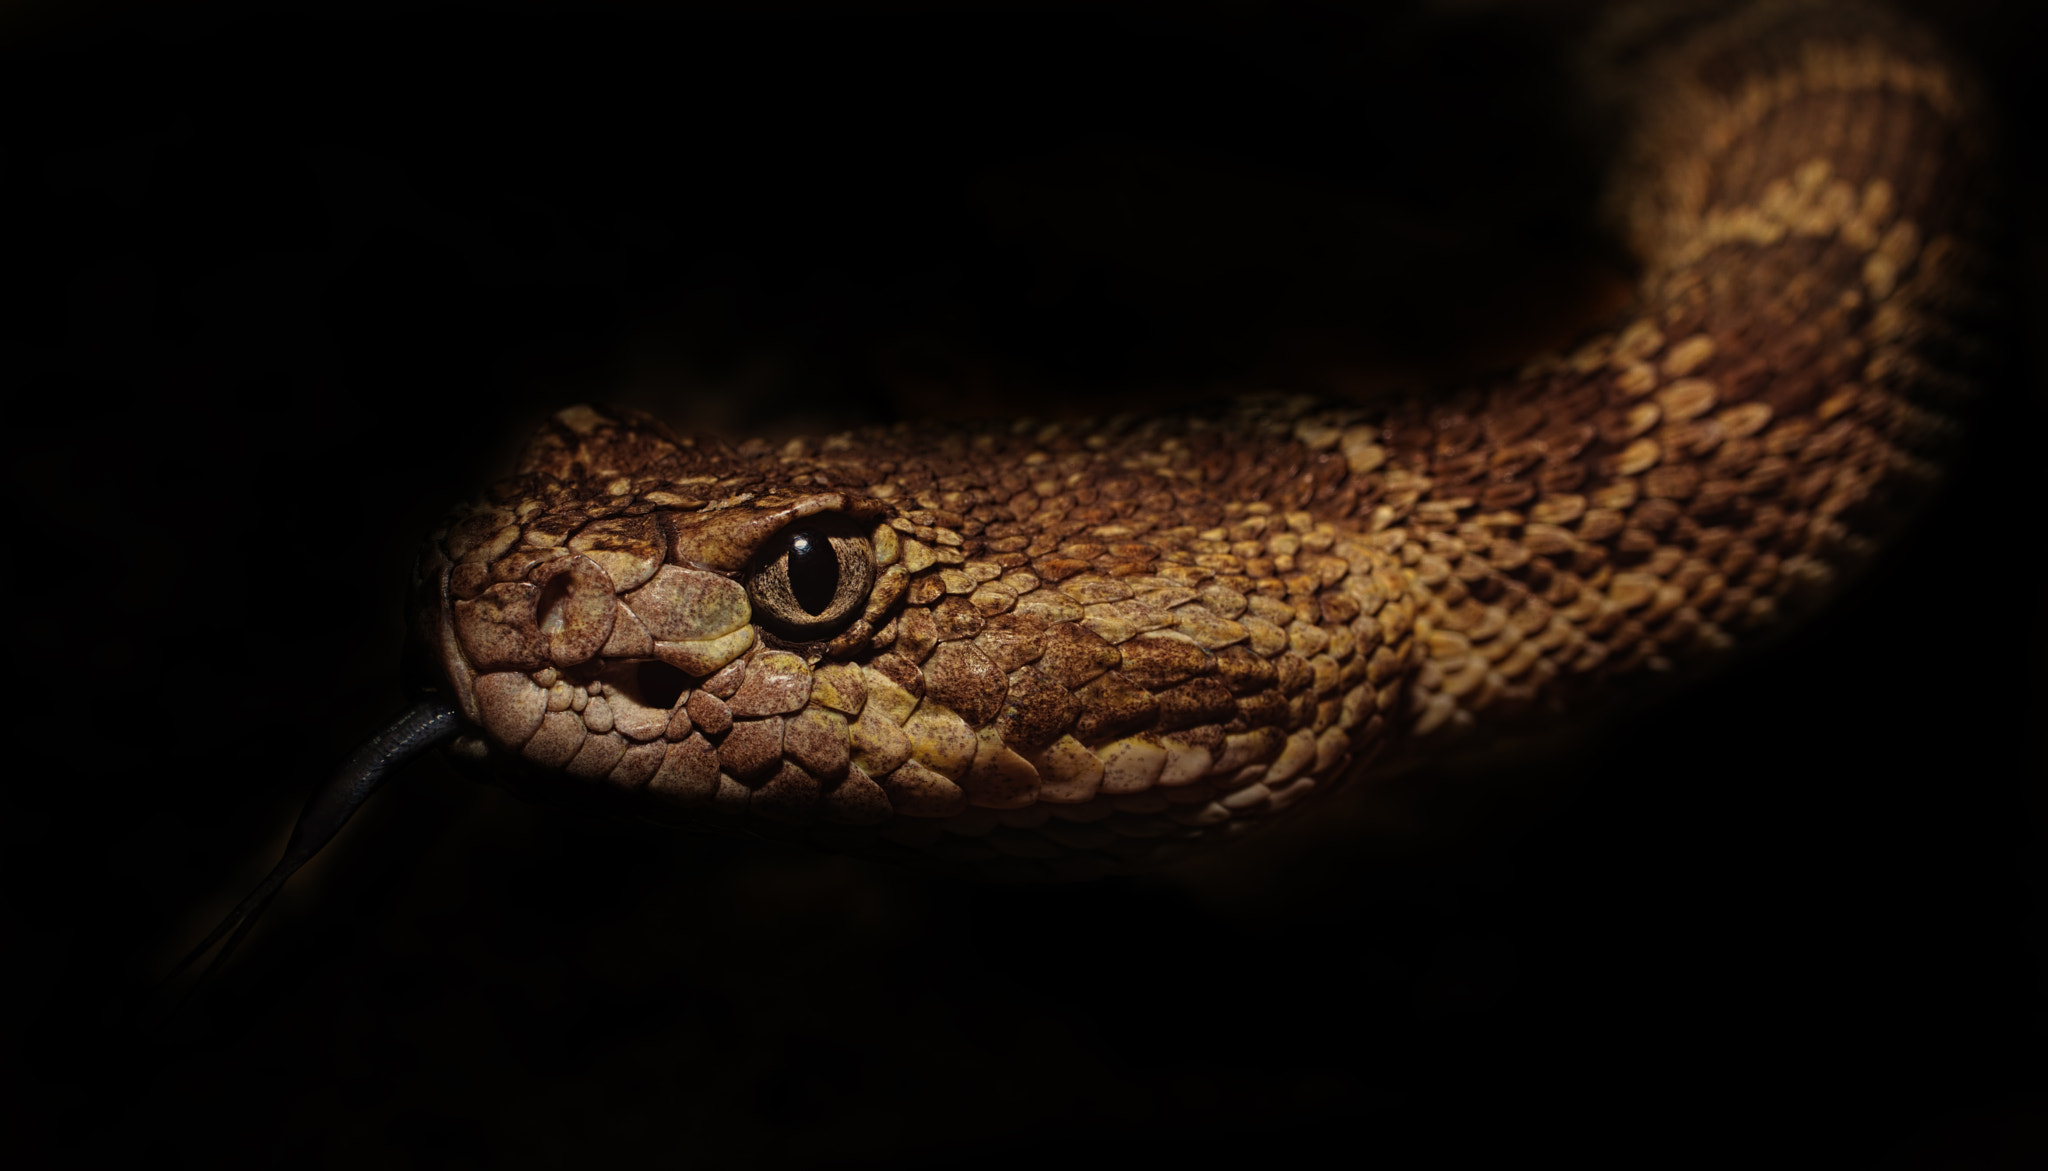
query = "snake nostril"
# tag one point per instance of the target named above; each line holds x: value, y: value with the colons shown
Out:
x: 551, y: 607
x: 574, y: 609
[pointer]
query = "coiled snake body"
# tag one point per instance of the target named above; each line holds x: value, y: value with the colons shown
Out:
x: 1057, y: 651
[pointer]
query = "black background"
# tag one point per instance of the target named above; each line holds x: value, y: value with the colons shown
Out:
x: 280, y: 289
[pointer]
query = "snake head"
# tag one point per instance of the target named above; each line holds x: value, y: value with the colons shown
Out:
x: 866, y: 642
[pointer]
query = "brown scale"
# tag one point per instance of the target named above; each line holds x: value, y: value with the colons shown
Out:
x: 1095, y: 647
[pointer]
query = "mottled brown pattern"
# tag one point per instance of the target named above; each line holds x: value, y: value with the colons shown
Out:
x: 1099, y: 646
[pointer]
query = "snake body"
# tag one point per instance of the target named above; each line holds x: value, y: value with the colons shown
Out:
x: 1045, y: 650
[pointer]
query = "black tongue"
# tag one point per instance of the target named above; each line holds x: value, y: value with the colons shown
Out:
x: 413, y: 731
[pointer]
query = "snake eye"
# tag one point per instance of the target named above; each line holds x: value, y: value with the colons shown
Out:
x: 812, y: 578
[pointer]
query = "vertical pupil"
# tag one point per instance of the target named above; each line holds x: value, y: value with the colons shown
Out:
x: 813, y: 571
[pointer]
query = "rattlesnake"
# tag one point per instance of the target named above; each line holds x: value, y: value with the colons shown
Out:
x: 1059, y: 650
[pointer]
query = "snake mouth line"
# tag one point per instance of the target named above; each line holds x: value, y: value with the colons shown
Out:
x: 646, y: 683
